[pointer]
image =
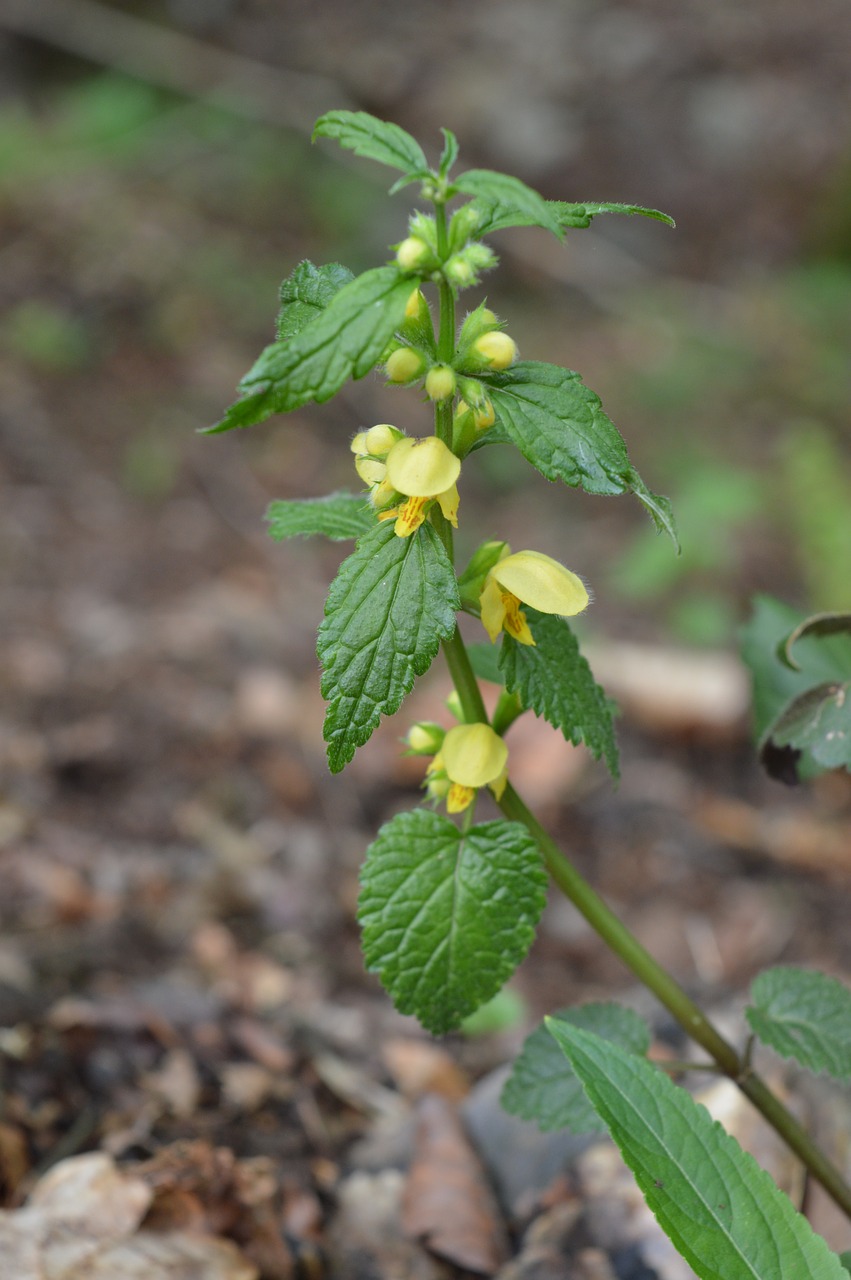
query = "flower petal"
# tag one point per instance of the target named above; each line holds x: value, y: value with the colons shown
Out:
x: 542, y: 582
x: 473, y: 755
x: 448, y: 503
x: 493, y: 607
x: 422, y: 468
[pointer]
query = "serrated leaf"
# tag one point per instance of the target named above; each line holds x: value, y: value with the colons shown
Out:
x: 558, y: 424
x: 543, y: 1086
x: 659, y: 507
x: 553, y: 679
x: 507, y: 196
x: 803, y: 1015
x: 344, y: 341
x: 580, y: 215
x: 306, y: 292
x: 376, y: 139
x: 338, y: 516
x: 723, y: 1213
x: 389, y: 607
x: 448, y: 916
x: 817, y: 721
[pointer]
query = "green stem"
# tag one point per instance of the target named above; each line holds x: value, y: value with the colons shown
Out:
x: 690, y: 1017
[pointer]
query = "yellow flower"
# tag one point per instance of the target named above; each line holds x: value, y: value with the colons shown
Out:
x: 472, y: 756
x: 528, y: 577
x: 370, y: 449
x: 424, y: 471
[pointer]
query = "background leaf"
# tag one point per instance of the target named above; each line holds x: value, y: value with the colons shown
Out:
x: 554, y: 680
x: 580, y: 215
x: 503, y: 195
x: 446, y: 916
x: 724, y: 1214
x: 376, y: 139
x: 344, y: 341
x: 544, y: 1087
x: 306, y: 292
x: 817, y: 721
x: 389, y: 607
x: 819, y: 626
x: 337, y: 516
x: 804, y: 1015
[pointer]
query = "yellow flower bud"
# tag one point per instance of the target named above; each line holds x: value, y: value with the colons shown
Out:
x: 497, y: 348
x: 425, y: 738
x: 411, y: 253
x: 440, y: 382
x: 358, y: 444
x: 380, y: 439
x: 412, y: 306
x: 404, y: 365
x: 422, y: 468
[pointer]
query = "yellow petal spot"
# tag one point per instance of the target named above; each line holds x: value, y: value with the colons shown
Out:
x: 422, y: 468
x: 410, y: 515
x: 473, y: 755
x: 459, y: 798
x: 543, y: 583
x: 515, y: 619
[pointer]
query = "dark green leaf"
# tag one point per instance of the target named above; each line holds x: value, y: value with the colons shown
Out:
x: 376, y: 139
x: 338, y: 516
x: 817, y: 721
x: 724, y: 1214
x: 446, y: 916
x: 804, y: 1015
x: 306, y: 293
x: 345, y: 340
x: 543, y: 1087
x: 845, y: 1259
x: 389, y: 607
x: 553, y: 679
x: 558, y: 424
x: 501, y: 195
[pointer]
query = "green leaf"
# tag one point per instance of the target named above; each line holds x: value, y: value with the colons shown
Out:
x: 824, y: 659
x: 845, y: 1259
x: 817, y: 721
x: 544, y: 1088
x: 306, y: 292
x: 818, y: 626
x: 580, y: 215
x: 553, y: 679
x: 449, y: 154
x: 558, y: 424
x: 804, y: 1015
x: 504, y: 196
x: 448, y: 916
x: 338, y: 516
x: 376, y: 139
x: 345, y: 340
x: 389, y: 607
x: 724, y: 1214
x: 659, y: 508
x: 497, y: 216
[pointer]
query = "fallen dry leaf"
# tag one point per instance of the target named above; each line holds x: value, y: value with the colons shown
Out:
x: 448, y: 1204
x: 81, y: 1223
